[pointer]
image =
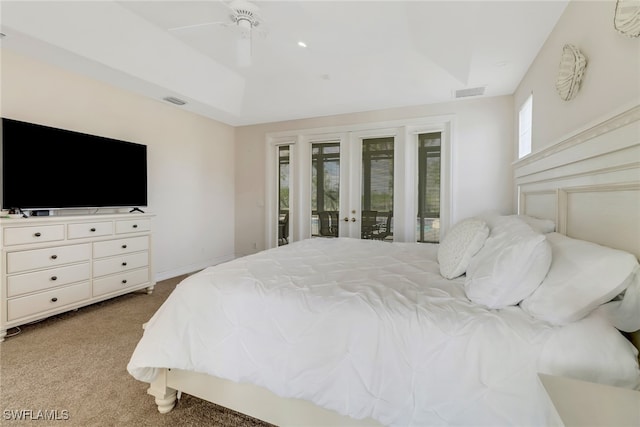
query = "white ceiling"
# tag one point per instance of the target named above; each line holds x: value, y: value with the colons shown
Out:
x: 360, y: 55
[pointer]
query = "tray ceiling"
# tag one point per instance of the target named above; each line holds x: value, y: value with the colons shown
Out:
x: 359, y: 55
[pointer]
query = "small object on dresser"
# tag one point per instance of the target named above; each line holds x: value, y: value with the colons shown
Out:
x: 14, y: 214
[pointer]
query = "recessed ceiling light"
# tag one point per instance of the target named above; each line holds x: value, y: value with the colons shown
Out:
x: 302, y: 44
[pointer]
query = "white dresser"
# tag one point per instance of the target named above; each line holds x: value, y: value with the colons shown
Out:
x: 54, y: 264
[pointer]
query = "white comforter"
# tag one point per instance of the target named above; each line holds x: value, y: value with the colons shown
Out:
x: 371, y: 329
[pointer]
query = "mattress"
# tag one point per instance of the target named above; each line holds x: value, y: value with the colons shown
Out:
x: 371, y: 329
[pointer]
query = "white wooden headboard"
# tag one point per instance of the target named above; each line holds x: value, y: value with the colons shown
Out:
x: 589, y: 184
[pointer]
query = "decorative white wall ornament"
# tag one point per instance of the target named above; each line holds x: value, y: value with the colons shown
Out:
x: 626, y: 19
x: 572, y: 65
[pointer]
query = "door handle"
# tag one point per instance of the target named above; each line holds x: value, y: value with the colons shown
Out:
x: 346, y: 219
x: 353, y: 219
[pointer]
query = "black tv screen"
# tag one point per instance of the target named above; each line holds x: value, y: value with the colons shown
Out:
x: 49, y: 168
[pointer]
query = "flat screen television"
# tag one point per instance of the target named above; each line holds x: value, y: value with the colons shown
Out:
x: 48, y: 168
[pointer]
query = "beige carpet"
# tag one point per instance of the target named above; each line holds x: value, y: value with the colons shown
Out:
x: 75, y: 364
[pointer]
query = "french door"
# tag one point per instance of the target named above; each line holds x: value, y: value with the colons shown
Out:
x: 371, y: 190
x: 351, y: 186
x: 383, y: 184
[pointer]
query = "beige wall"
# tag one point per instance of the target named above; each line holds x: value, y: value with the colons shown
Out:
x: 611, y: 81
x: 191, y: 177
x: 190, y: 158
x: 481, y: 159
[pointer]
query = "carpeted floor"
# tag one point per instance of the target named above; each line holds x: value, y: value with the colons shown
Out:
x: 74, y: 366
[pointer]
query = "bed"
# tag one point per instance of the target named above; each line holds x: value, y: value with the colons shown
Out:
x: 350, y: 332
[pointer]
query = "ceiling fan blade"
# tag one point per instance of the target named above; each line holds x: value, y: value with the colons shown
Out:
x: 243, y: 51
x: 203, y: 24
x: 243, y: 20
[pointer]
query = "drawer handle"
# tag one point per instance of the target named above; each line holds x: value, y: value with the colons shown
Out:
x: 124, y: 264
x: 135, y: 225
x: 54, y: 256
x: 38, y: 234
x: 54, y: 278
x: 54, y: 299
x: 124, y: 282
x: 124, y: 246
x: 92, y: 230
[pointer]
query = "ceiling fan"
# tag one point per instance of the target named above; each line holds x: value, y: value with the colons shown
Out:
x: 243, y: 19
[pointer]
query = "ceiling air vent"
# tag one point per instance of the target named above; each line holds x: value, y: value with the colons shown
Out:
x: 472, y: 91
x: 174, y: 100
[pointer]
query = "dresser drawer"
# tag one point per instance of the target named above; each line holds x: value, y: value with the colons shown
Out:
x: 41, y: 280
x: 33, y: 234
x: 89, y: 229
x: 117, y: 264
x: 46, y: 301
x: 121, y: 281
x: 133, y: 225
x: 120, y: 246
x: 47, y: 257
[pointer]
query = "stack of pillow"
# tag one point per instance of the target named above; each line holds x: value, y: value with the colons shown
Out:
x: 516, y: 259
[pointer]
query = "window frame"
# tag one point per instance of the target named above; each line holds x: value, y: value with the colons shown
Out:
x: 525, y: 127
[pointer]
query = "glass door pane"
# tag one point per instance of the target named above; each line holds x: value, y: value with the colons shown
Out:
x: 325, y: 189
x: 377, y: 189
x: 284, y: 165
x: 428, y: 221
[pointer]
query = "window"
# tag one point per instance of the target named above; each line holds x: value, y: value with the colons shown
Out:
x: 325, y: 189
x: 283, y: 157
x: 429, y: 153
x: 377, y: 188
x: 377, y: 174
x: 283, y: 194
x: 524, y: 127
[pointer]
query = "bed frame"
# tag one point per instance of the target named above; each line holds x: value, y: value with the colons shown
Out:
x: 588, y: 183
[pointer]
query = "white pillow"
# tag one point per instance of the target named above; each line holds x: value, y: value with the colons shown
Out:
x: 539, y: 225
x: 624, y: 313
x: 583, y: 275
x: 510, y: 266
x: 492, y: 218
x: 461, y: 242
x: 590, y: 349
